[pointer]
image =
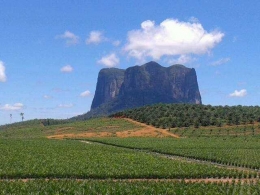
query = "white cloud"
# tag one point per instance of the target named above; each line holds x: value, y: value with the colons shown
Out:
x: 47, y: 97
x: 65, y: 105
x: 220, y: 62
x: 2, y: 72
x: 9, y: 107
x: 67, y: 69
x: 170, y: 38
x: 95, y: 37
x: 183, y: 59
x: 109, y: 61
x: 69, y: 37
x: 240, y: 93
x: 85, y: 93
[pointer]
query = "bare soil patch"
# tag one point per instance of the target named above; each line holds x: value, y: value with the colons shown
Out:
x: 143, y: 131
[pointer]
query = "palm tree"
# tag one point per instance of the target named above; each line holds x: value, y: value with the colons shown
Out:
x: 11, y: 118
x: 22, y: 115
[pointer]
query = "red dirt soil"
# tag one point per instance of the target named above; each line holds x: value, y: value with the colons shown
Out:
x: 144, y: 131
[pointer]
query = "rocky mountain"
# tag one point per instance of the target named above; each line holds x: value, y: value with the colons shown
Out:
x: 151, y: 83
x: 137, y: 86
x: 108, y: 85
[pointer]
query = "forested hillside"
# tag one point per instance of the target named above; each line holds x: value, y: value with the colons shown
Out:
x: 186, y: 115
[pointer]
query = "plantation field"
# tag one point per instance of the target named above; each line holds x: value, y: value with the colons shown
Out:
x: 111, y: 187
x: 190, y: 115
x: 74, y: 159
x: 90, y: 157
x: 251, y: 130
x: 230, y: 151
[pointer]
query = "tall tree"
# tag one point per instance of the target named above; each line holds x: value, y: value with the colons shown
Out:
x: 22, y: 115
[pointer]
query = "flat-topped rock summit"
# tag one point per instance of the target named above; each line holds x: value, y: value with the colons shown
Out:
x: 151, y: 83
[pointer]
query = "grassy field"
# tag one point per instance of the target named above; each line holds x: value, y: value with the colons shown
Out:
x: 33, y: 164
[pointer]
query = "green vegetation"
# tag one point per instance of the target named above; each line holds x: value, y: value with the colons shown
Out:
x: 26, y: 129
x: 250, y: 130
x: 73, y: 159
x: 128, y: 188
x: 35, y: 128
x: 129, y: 165
x: 230, y: 151
x: 186, y: 115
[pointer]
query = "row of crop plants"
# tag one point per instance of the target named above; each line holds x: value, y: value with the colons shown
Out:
x: 233, y: 152
x: 44, y: 158
x: 245, y: 131
x: 126, y: 187
x: 186, y: 115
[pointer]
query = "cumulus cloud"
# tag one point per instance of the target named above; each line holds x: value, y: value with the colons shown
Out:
x: 85, y: 93
x: 241, y: 93
x: 170, y: 38
x: 65, y: 105
x: 66, y: 69
x: 95, y: 37
x: 110, y: 60
x: 220, y: 62
x: 9, y: 107
x: 2, y: 72
x: 69, y: 37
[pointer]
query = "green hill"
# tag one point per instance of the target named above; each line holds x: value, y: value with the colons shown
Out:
x: 49, y: 127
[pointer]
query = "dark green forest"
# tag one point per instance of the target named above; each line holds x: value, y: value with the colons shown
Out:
x: 186, y: 115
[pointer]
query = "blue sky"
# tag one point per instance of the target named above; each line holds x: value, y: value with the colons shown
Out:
x: 51, y: 51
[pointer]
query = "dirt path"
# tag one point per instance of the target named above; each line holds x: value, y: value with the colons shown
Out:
x: 148, y: 130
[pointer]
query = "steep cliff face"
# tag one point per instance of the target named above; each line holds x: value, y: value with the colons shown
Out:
x: 147, y: 84
x: 183, y: 84
x: 108, y: 86
x: 152, y: 83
